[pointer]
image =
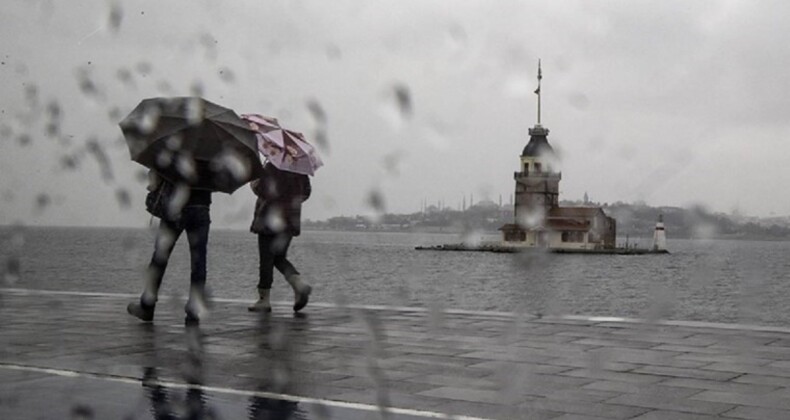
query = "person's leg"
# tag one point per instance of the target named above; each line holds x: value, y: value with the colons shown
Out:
x: 301, y: 289
x: 279, y: 247
x: 166, y: 238
x: 265, y: 273
x: 197, y: 222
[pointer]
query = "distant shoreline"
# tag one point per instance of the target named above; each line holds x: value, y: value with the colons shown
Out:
x: 418, y: 231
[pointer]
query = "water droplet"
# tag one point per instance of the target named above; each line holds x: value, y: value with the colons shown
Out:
x: 404, y: 101
x: 226, y: 75
x: 115, y: 115
x: 52, y: 129
x: 195, y: 111
x: 144, y: 68
x: 86, y: 84
x: 142, y: 176
x: 6, y: 131
x: 31, y: 94
x: 232, y: 163
x: 375, y: 200
x: 163, y: 86
x: 24, y: 139
x: 81, y: 412
x: 116, y: 17
x: 69, y: 162
x: 392, y: 160
x: 196, y: 89
x: 43, y: 200
x: 333, y: 52
x: 317, y: 111
x: 12, y: 270
x: 579, y: 101
x: 54, y: 110
x: 97, y: 151
x: 124, y: 200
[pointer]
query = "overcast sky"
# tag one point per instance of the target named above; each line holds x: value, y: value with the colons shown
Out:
x: 669, y: 102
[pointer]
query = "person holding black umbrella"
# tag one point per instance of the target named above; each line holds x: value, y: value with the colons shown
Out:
x: 193, y: 147
x: 180, y: 209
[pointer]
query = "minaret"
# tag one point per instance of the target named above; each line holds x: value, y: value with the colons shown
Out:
x: 537, y: 183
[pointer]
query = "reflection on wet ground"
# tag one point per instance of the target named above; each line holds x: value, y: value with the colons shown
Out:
x: 79, y: 355
x: 39, y: 395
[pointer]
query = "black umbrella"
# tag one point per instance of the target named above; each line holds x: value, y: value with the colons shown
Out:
x: 189, y: 140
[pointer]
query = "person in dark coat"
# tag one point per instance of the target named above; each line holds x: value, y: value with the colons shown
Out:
x: 187, y: 210
x: 277, y: 220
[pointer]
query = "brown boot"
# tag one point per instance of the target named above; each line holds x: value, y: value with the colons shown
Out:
x: 263, y: 304
x: 302, y: 291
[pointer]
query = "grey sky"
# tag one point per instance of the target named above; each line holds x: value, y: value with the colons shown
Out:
x: 670, y: 102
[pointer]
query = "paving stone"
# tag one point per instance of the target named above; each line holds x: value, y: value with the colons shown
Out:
x: 579, y: 417
x: 660, y: 389
x: 687, y: 373
x: 763, y: 380
x: 743, y: 399
x: 595, y: 374
x: 757, y: 413
x: 475, y: 395
x: 606, y: 410
x: 727, y: 386
x: 494, y: 411
x: 673, y: 404
x: 673, y: 415
x: 743, y: 368
x: 583, y: 395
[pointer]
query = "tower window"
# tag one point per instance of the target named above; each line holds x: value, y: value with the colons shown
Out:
x: 537, y: 167
x: 526, y: 167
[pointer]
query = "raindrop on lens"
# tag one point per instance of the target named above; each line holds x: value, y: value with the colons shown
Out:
x: 194, y: 111
x: 403, y: 98
x: 42, y: 201
x: 124, y: 200
x: 116, y: 17
x: 24, y: 139
x: 149, y: 120
x: 226, y: 75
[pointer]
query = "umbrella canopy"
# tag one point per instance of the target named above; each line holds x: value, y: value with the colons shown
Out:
x: 192, y: 141
x: 287, y: 150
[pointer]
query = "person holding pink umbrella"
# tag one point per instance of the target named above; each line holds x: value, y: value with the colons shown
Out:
x: 281, y: 190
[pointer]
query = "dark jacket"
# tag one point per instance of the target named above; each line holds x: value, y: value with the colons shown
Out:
x: 279, y: 206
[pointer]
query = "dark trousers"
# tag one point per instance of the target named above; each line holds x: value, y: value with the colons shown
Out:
x: 196, y: 221
x: 273, y: 251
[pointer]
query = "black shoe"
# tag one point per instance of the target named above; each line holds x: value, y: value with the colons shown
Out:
x: 142, y: 311
x: 302, y: 298
x: 191, y: 319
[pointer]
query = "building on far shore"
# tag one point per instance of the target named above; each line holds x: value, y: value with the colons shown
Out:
x: 539, y: 220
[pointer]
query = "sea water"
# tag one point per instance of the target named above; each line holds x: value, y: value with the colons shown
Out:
x: 707, y: 280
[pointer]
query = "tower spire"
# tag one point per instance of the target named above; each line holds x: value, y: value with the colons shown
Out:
x: 537, y: 91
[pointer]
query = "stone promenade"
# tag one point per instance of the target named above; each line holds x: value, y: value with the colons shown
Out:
x: 79, y: 355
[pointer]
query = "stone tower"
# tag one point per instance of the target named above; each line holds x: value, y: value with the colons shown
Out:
x: 537, y: 182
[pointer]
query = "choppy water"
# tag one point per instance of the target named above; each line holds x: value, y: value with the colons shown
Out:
x: 720, y: 281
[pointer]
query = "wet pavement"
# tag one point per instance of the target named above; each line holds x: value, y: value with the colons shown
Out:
x: 79, y: 355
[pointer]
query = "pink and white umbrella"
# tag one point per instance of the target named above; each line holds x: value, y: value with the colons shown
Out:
x: 286, y: 149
